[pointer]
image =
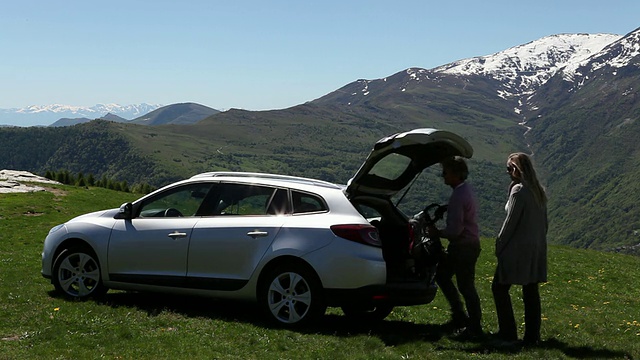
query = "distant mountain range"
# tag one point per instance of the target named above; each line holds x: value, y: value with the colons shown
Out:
x: 44, y: 115
x: 177, y: 114
x: 571, y: 100
x: 520, y: 70
x: 143, y: 114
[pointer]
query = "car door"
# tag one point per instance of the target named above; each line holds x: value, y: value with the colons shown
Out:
x: 152, y: 247
x: 227, y: 245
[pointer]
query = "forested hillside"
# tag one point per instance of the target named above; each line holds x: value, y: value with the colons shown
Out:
x: 587, y: 139
x: 91, y: 148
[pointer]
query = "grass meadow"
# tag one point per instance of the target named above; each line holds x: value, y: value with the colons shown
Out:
x: 591, y: 309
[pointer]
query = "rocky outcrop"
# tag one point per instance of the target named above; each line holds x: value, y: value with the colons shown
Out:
x: 14, y: 181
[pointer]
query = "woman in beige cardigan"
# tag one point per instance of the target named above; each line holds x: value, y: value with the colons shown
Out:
x: 521, y: 249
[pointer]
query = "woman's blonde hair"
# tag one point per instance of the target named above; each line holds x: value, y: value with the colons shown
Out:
x: 522, y: 162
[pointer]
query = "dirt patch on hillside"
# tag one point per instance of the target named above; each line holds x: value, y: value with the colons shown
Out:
x: 54, y: 191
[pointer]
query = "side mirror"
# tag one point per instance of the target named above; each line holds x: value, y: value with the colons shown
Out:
x: 126, y: 212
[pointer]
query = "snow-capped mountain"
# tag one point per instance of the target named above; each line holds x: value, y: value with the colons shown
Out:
x: 48, y: 114
x: 524, y: 68
x: 514, y: 74
x: 615, y: 55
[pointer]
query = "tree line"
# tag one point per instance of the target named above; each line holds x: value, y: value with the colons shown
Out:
x: 80, y: 179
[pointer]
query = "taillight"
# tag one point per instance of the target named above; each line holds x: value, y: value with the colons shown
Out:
x: 364, y: 234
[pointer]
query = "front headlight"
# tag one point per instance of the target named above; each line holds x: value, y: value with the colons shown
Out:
x: 56, y: 228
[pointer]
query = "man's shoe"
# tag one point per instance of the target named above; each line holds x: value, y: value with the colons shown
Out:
x: 531, y: 343
x: 454, y: 326
x: 469, y: 333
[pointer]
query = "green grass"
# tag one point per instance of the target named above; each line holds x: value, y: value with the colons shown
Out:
x: 591, y: 309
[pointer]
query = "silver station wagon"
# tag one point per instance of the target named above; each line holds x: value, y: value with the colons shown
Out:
x: 292, y: 245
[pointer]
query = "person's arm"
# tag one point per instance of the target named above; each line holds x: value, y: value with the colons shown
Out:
x: 515, y: 209
x: 455, y: 216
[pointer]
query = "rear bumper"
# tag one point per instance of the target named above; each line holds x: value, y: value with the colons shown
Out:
x: 395, y: 294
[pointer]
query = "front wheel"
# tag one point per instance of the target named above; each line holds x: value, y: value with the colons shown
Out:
x: 76, y: 273
x: 291, y: 295
x: 367, y: 315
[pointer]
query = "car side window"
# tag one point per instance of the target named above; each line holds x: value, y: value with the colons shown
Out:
x: 240, y: 199
x: 177, y: 202
x: 304, y: 203
x: 279, y: 204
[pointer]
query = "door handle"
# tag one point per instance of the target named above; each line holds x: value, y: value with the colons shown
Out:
x: 257, y: 233
x: 175, y: 235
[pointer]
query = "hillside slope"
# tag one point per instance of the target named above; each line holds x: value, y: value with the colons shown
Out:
x: 586, y: 136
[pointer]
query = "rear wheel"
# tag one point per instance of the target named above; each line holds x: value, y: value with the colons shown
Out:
x: 367, y: 314
x: 291, y: 295
x: 76, y: 273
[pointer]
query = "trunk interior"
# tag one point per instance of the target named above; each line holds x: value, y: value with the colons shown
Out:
x: 402, y: 248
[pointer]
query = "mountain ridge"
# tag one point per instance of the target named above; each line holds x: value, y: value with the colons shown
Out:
x: 179, y: 114
x: 517, y: 77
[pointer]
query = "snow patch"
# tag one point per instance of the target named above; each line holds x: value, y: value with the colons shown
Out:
x: 524, y: 68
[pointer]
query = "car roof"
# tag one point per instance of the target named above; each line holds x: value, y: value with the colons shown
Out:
x: 319, y: 187
x: 265, y: 178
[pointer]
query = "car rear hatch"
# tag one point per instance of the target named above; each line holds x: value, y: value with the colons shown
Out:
x: 397, y: 159
x: 392, y: 165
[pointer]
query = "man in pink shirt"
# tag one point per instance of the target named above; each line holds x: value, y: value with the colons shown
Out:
x: 463, y: 250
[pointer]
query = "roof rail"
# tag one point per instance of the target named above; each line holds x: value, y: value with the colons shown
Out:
x: 297, y: 179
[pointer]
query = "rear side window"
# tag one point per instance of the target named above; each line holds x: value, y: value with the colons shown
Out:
x: 239, y: 199
x: 305, y: 203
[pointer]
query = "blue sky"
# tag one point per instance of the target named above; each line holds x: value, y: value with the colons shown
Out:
x: 259, y: 55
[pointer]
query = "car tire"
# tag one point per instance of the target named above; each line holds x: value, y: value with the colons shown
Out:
x: 292, y: 295
x: 367, y: 315
x: 76, y: 273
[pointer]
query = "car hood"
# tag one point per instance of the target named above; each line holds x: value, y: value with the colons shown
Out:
x: 96, y: 214
x: 397, y: 159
